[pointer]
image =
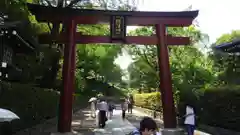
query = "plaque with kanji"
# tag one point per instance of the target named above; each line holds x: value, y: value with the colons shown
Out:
x: 118, y: 28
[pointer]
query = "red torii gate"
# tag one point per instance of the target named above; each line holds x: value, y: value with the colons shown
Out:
x: 118, y: 21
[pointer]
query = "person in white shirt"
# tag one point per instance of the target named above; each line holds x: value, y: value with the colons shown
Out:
x: 189, y: 119
x: 103, y: 108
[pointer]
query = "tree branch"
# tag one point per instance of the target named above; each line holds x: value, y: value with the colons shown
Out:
x: 146, y: 59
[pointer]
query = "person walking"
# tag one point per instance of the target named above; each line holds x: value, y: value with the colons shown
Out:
x: 103, y: 108
x: 130, y: 104
x: 124, y: 106
x: 93, y: 107
x: 189, y: 119
x: 111, y: 107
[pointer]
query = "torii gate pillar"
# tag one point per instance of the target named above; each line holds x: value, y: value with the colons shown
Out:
x: 165, y: 78
x: 66, y: 97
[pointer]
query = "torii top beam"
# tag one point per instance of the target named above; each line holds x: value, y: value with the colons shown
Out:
x: 118, y: 31
x: 133, y: 18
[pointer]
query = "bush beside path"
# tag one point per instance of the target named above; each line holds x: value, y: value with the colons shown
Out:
x: 219, y: 104
x: 81, y: 123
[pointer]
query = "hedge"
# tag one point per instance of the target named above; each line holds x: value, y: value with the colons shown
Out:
x: 148, y: 100
x: 218, y: 107
x: 221, y: 107
x: 33, y: 105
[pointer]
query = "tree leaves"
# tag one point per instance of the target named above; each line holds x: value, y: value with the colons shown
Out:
x: 190, y: 67
x: 226, y: 65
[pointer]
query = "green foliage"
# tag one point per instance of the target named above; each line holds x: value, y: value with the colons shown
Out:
x: 191, y: 69
x: 221, y: 107
x: 226, y: 65
x: 96, y: 61
x: 148, y: 100
x: 229, y: 37
x: 215, y: 106
x: 33, y: 105
x: 37, y: 67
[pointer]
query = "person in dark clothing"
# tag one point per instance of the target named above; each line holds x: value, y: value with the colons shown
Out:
x: 111, y: 107
x: 130, y: 104
x: 124, y: 107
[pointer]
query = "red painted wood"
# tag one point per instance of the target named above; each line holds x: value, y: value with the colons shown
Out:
x: 131, y: 21
x: 169, y: 115
x: 65, y: 113
x: 144, y: 40
x: 73, y: 68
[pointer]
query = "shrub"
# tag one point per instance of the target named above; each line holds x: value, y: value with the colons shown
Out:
x: 149, y: 100
x: 33, y: 105
x: 221, y: 107
x: 218, y: 107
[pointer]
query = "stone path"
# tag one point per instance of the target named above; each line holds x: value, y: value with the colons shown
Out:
x: 137, y: 116
x: 116, y: 123
x: 84, y: 124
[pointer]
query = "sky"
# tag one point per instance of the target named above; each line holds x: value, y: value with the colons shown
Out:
x: 215, y: 17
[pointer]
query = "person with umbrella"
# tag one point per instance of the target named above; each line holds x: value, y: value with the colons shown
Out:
x: 93, y: 101
x: 6, y: 117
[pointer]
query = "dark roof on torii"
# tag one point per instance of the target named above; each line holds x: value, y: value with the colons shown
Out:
x: 231, y: 47
x: 67, y: 12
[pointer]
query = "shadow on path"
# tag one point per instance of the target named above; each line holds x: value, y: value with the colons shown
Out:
x: 82, y: 123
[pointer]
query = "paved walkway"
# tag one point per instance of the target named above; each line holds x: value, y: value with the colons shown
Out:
x: 84, y: 124
x: 139, y: 114
x: 116, y: 123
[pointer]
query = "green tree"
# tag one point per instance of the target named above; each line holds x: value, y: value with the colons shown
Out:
x: 191, y: 69
x: 226, y: 64
x: 97, y: 60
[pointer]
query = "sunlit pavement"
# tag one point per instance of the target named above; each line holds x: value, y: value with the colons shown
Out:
x: 129, y: 124
x: 116, y: 123
x: 138, y: 115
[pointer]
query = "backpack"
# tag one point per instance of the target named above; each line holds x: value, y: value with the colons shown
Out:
x: 134, y: 132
